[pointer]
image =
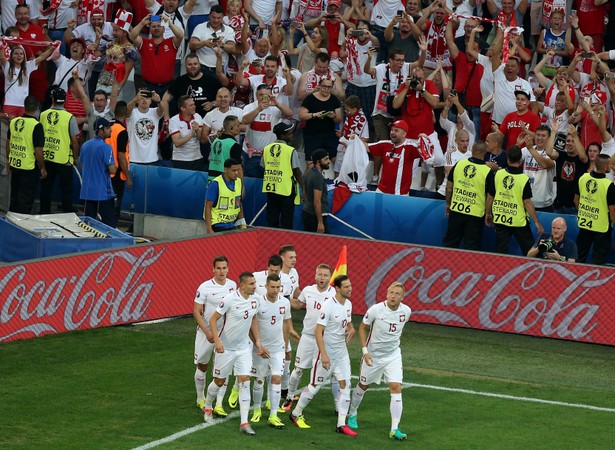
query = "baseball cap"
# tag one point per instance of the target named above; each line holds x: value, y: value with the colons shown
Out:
x: 97, y: 12
x: 337, y: 3
x: 523, y: 92
x: 401, y: 124
x: 282, y: 128
x: 101, y: 123
x: 59, y: 95
x: 319, y: 154
x: 80, y: 40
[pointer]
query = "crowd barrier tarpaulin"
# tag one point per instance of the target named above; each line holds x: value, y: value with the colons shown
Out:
x: 451, y: 287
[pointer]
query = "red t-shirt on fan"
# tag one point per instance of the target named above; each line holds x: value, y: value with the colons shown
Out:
x: 417, y: 112
x: 397, y: 165
x: 515, y: 123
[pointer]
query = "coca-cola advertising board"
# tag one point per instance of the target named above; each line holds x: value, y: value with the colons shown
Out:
x: 452, y: 287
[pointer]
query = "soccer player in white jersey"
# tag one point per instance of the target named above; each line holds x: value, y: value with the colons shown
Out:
x: 312, y: 298
x: 274, y: 322
x: 290, y: 291
x: 382, y: 355
x: 232, y: 343
x: 208, y: 296
x: 274, y: 267
x: 333, y: 331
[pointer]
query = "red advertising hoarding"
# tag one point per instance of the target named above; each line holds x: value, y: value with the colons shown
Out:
x: 474, y: 290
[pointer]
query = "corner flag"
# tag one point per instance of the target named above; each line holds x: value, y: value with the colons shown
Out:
x: 341, y: 267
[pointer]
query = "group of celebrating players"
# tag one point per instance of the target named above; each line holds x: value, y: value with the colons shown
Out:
x: 247, y: 330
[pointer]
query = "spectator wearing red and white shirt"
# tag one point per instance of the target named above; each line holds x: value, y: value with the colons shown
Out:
x: 398, y: 158
x: 591, y: 15
x: 520, y: 120
x: 30, y: 31
x: 355, y: 124
x: 311, y: 79
x: 260, y: 117
x: 186, y: 129
x: 158, y: 54
x: 279, y: 85
x: 336, y: 25
x: 435, y: 33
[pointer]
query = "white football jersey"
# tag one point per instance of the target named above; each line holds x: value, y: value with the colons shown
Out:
x: 271, y: 317
x: 335, y: 318
x: 237, y: 315
x: 386, y: 328
x: 210, y: 294
x: 261, y: 281
x: 290, y: 282
x: 313, y: 300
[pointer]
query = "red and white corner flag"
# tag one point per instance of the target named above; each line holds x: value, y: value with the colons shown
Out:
x: 341, y: 268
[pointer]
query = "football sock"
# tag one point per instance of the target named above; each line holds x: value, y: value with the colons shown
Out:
x: 212, y: 392
x: 222, y: 393
x: 257, y: 392
x: 244, y: 400
x: 335, y: 391
x: 286, y: 374
x: 357, y: 398
x: 276, y: 394
x: 293, y: 382
x: 396, y: 409
x: 199, y: 383
x: 343, y: 404
x: 306, y: 397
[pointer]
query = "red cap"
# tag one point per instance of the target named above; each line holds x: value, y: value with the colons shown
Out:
x: 401, y: 124
x: 337, y: 3
x: 80, y: 40
x: 97, y: 12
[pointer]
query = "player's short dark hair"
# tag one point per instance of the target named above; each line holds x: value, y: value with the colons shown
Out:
x: 21, y: 5
x: 193, y: 55
x: 286, y: 248
x: 514, y: 154
x: 243, y: 276
x: 229, y: 121
x: 31, y: 103
x: 544, y: 128
x: 353, y: 102
x: 101, y: 92
x: 275, y: 260
x: 272, y: 58
x: 263, y: 86
x: 219, y: 258
x: 273, y: 277
x: 602, y: 162
x: 337, y: 282
x: 596, y: 144
x: 364, y: 22
x: 217, y: 9
x: 120, y: 108
x: 230, y: 163
x: 479, y: 147
x: 181, y: 102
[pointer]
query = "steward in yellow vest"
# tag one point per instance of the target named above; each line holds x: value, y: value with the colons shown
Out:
x: 60, y: 151
x: 282, y: 178
x: 223, y: 208
x: 509, y: 202
x: 25, y: 151
x: 466, y: 198
x: 595, y: 202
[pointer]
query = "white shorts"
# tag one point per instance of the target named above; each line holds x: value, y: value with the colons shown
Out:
x: 305, y: 351
x: 437, y: 160
x: 261, y: 367
x: 390, y: 368
x: 203, y: 349
x: 340, y: 369
x: 239, y: 360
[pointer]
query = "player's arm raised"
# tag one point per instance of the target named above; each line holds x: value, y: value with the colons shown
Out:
x: 363, y: 332
x: 319, y: 332
x: 213, y: 325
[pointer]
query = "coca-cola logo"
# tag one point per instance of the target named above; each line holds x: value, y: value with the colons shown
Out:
x: 546, y: 298
x: 110, y: 291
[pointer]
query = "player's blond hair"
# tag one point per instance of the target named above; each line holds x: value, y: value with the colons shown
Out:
x: 397, y: 284
x: 324, y: 266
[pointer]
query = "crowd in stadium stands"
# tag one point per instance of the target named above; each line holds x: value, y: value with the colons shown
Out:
x: 419, y: 82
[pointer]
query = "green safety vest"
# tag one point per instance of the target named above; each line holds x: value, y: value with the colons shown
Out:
x: 21, y: 145
x: 57, y: 147
x: 278, y: 178
x: 508, y: 208
x: 220, y: 152
x: 228, y: 206
x: 469, y: 181
x: 593, y: 212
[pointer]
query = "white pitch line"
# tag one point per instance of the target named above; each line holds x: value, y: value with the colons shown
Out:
x: 512, y: 397
x: 232, y: 415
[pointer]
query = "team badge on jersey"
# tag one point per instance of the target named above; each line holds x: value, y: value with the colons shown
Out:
x: 321, y: 380
x: 282, y: 310
x: 347, y: 313
x: 363, y: 379
x: 253, y: 305
x: 217, y: 371
x: 402, y: 317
